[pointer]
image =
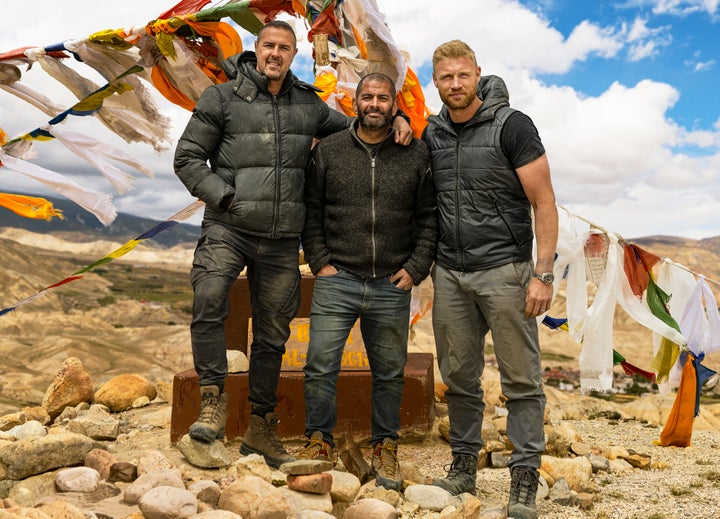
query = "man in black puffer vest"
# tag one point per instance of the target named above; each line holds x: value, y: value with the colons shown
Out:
x: 490, y: 172
x: 369, y: 236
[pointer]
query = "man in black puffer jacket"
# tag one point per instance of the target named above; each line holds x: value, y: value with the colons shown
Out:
x: 244, y: 153
x: 369, y: 236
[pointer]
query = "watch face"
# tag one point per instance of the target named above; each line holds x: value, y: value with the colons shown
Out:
x: 546, y: 277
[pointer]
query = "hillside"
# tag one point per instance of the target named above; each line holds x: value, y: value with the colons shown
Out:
x: 133, y: 314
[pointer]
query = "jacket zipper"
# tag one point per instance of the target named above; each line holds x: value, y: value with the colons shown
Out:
x: 372, y: 202
x: 461, y: 256
x: 278, y: 164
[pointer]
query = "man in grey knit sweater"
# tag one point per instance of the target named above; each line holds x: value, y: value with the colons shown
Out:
x: 369, y: 236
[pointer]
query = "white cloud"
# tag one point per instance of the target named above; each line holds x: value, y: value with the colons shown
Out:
x: 616, y: 157
x: 685, y: 7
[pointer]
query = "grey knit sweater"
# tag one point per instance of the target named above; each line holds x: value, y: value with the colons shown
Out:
x: 370, y: 216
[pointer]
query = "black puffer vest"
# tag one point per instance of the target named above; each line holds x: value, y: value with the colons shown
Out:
x: 484, y: 215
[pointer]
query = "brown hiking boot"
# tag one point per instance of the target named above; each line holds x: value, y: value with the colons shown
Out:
x: 386, y: 466
x: 261, y: 438
x: 317, y: 449
x: 210, y: 425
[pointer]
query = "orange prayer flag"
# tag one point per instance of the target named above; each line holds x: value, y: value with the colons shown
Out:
x: 679, y: 424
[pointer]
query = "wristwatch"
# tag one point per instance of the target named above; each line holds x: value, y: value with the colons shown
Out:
x: 545, y: 277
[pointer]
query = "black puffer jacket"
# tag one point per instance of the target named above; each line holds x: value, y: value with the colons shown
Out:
x: 370, y: 216
x: 483, y: 212
x: 257, y: 146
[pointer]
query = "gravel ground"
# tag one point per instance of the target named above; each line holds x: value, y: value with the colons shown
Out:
x: 688, y: 487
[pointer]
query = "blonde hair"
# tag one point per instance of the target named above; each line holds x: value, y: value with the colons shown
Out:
x: 453, y: 49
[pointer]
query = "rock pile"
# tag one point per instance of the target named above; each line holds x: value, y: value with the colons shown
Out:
x: 58, y: 461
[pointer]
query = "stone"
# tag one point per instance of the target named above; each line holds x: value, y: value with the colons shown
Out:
x: 96, y: 423
x: 206, y: 491
x: 206, y: 455
x: 152, y: 460
x: 304, y: 467
x: 119, y: 393
x: 345, y: 486
x: 168, y: 502
x: 429, y: 497
x: 300, y: 501
x: 72, y: 385
x: 251, y: 497
x: 237, y: 361
x: 354, y: 462
x: 637, y: 460
x: 370, y: 509
x: 311, y: 483
x: 100, y: 460
x: 123, y: 471
x: 36, y: 455
x: 61, y: 510
x: 574, y: 470
x: 77, y: 479
x: 150, y: 480
x: 253, y: 465
x: 29, y: 429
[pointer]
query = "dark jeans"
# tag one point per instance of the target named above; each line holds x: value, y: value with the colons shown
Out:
x: 274, y: 280
x: 384, y: 312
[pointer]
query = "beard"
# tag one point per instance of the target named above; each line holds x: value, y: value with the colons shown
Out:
x: 274, y: 73
x: 374, y: 123
x: 455, y: 103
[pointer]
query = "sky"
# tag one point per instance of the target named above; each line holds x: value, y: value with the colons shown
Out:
x: 623, y: 93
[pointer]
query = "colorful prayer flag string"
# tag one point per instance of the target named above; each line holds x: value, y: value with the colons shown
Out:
x: 121, y: 251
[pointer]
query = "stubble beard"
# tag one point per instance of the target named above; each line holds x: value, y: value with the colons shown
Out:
x: 374, y: 124
x: 458, y: 104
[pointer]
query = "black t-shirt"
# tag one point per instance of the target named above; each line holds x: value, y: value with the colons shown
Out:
x: 519, y: 139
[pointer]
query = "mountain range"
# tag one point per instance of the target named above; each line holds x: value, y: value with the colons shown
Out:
x: 80, y: 225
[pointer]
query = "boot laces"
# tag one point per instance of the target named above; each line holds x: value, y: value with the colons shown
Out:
x: 272, y: 436
x: 210, y: 411
x: 386, y: 453
x: 460, y: 465
x: 314, y: 448
x: 523, y: 485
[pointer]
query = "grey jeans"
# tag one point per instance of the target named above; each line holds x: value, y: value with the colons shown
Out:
x: 466, y: 306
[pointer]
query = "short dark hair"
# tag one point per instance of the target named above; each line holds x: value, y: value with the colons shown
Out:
x: 376, y: 76
x: 278, y: 24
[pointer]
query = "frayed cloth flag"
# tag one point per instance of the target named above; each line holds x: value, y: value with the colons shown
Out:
x: 94, y: 152
x: 678, y: 426
x: 30, y: 206
x: 631, y: 369
x: 121, y: 251
x: 99, y: 204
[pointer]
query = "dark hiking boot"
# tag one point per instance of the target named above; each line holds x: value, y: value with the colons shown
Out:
x: 461, y: 475
x: 261, y: 438
x: 317, y: 449
x: 210, y: 425
x: 523, y: 488
x: 385, y: 465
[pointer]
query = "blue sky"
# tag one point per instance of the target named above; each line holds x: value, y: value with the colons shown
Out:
x: 624, y: 95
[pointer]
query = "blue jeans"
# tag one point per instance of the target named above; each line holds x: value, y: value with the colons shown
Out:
x: 384, y: 312
x: 274, y: 281
x: 466, y: 306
